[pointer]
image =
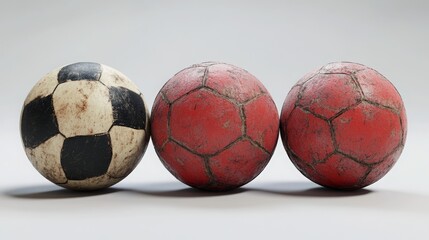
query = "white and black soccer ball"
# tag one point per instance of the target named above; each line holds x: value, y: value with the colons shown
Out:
x: 85, y: 126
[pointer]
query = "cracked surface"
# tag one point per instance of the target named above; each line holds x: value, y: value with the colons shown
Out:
x: 160, y: 132
x: 366, y: 122
x: 185, y: 165
x: 317, y: 97
x: 202, y: 125
x: 315, y: 132
x: 378, y: 89
x: 368, y: 133
x: 216, y: 114
x: 340, y: 171
x: 260, y: 115
x: 229, y: 81
x: 233, y: 165
x: 187, y: 80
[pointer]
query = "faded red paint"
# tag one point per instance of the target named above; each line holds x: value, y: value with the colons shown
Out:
x: 161, y: 114
x: 184, y: 165
x: 220, y: 125
x: 378, y: 89
x: 187, y: 80
x: 320, y: 99
x: 259, y: 119
x: 234, y: 167
x: 311, y: 130
x: 342, y: 68
x: 290, y: 102
x: 204, y: 122
x: 404, y: 124
x: 345, y: 126
x: 384, y: 166
x: 339, y: 171
x: 367, y: 132
x: 233, y: 82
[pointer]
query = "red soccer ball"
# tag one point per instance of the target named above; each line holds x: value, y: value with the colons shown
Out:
x: 343, y: 126
x: 214, y: 126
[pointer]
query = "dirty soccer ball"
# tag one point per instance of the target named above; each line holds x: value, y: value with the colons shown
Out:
x: 85, y: 126
x: 343, y: 126
x: 214, y: 126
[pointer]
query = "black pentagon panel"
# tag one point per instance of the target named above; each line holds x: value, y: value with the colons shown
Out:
x: 128, y: 108
x: 80, y: 71
x: 38, y: 122
x: 85, y: 157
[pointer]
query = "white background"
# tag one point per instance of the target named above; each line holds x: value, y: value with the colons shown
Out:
x: 277, y: 41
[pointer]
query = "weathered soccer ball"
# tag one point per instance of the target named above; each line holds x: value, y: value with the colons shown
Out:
x: 85, y: 126
x: 214, y: 126
x: 343, y: 126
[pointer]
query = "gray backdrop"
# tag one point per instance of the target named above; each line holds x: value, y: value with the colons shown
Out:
x: 278, y: 42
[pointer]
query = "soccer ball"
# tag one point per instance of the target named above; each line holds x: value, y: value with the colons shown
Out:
x: 85, y: 126
x: 344, y: 125
x: 214, y: 126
